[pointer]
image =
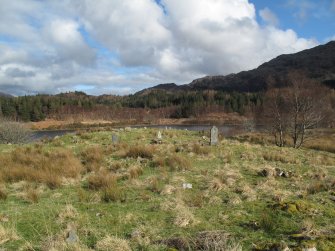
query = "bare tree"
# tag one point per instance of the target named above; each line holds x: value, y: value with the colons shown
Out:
x: 293, y: 111
x: 276, y: 115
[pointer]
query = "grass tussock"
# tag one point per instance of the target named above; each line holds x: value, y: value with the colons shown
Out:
x: 102, y: 179
x: 115, y: 165
x: 142, y: 151
x: 318, y: 186
x: 31, y: 195
x: 322, y: 143
x: 154, y: 184
x: 3, y: 193
x: 183, y: 216
x: 216, y: 240
x: 223, y: 179
x: 135, y: 171
x: 323, y: 160
x: 92, y: 158
x: 113, y: 194
x: 113, y: 243
x: 35, y: 165
x: 279, y: 157
x: 178, y: 162
x: 200, y: 150
x: 68, y: 213
x: 7, y: 234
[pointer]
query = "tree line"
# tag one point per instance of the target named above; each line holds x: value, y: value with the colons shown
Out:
x: 185, y: 104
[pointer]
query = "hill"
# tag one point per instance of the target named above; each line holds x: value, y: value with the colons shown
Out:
x: 2, y: 94
x: 317, y: 63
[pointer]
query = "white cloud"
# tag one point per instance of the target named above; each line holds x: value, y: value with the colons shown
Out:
x: 131, y: 44
x: 269, y: 17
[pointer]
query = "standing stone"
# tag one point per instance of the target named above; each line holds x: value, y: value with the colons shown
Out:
x: 159, y: 135
x: 214, y: 136
x: 115, y: 139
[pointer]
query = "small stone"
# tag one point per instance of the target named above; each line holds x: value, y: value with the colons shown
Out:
x: 187, y: 186
x: 332, y: 198
x: 309, y: 249
x: 72, y: 237
x: 136, y: 234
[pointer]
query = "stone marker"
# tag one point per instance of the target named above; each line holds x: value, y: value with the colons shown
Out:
x: 214, y: 136
x: 72, y: 237
x: 159, y: 135
x: 115, y: 138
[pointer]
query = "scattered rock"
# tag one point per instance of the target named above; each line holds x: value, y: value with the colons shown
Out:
x: 332, y: 197
x: 275, y: 172
x: 267, y: 172
x: 283, y: 173
x: 187, y: 185
x: 72, y: 237
x: 156, y: 141
x: 309, y: 249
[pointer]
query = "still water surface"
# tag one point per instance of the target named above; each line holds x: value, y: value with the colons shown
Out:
x: 226, y: 130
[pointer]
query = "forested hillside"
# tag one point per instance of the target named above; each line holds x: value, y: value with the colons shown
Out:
x: 176, y: 105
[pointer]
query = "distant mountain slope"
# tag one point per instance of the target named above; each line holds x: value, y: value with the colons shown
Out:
x: 317, y: 63
x: 2, y: 94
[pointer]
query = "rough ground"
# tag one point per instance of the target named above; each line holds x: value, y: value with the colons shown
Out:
x: 84, y: 192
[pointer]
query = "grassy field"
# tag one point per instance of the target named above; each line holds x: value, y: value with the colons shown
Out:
x: 82, y: 192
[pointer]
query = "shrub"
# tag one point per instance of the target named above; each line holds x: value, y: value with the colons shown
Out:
x: 13, y: 132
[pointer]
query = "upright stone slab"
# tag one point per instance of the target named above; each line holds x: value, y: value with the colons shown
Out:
x: 214, y: 136
x: 115, y: 138
x: 159, y: 135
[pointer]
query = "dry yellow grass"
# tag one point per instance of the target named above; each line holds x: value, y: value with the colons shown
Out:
x: 178, y: 162
x: 140, y: 151
x: 112, y: 243
x: 102, y: 179
x: 92, y: 158
x: 29, y: 164
x: 7, y: 234
x: 135, y: 171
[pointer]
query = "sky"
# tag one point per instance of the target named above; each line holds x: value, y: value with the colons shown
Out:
x: 123, y: 46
